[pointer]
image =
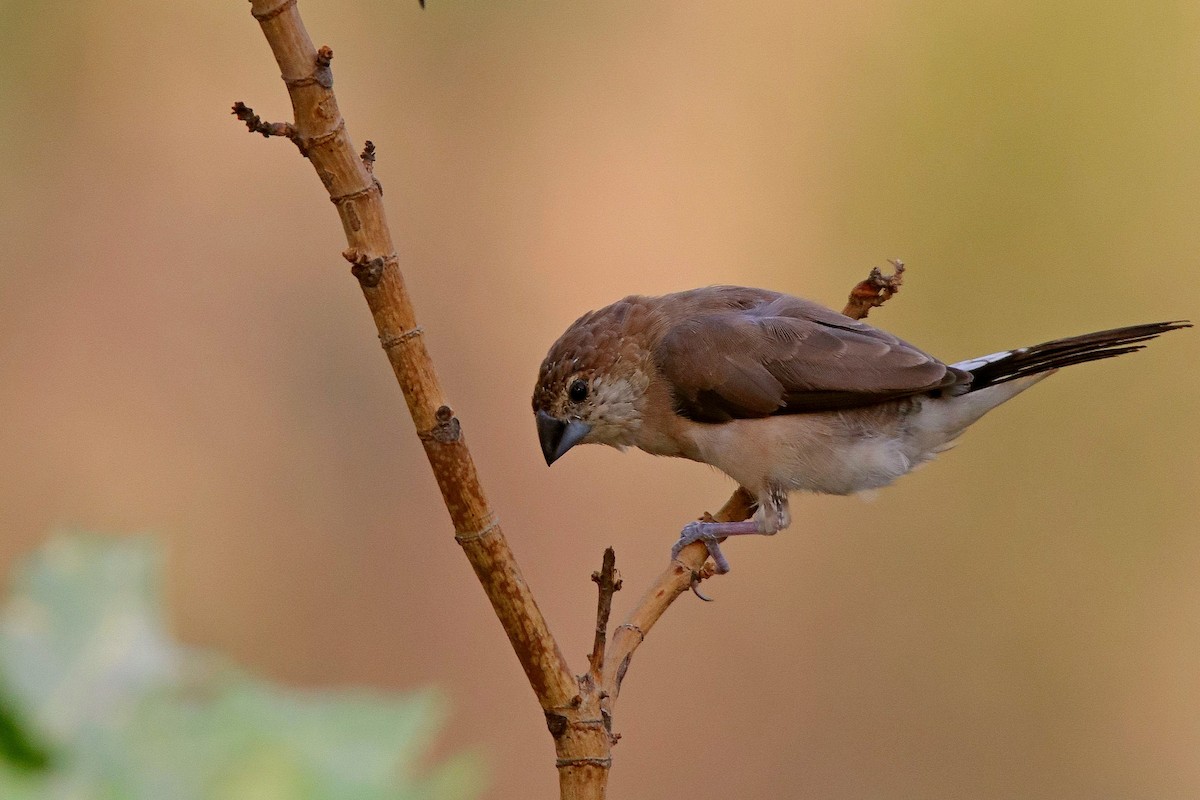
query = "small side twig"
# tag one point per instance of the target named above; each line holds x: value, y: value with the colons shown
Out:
x: 608, y: 583
x: 257, y: 124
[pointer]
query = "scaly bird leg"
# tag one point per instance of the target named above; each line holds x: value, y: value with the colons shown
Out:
x: 773, y: 516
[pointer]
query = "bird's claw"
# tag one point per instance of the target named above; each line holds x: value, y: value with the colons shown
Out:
x: 695, y: 532
x: 702, y: 532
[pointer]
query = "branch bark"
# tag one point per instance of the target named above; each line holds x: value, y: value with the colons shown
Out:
x: 608, y: 581
x: 578, y: 710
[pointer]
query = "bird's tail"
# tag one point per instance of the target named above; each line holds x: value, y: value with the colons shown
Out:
x: 1026, y: 361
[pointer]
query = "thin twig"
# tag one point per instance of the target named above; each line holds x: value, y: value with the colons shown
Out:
x: 608, y: 583
x: 256, y: 124
x: 876, y: 290
x: 676, y: 579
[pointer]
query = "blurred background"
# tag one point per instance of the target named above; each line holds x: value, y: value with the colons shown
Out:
x: 183, y: 352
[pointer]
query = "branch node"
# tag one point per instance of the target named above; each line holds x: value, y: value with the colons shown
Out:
x: 390, y: 341
x: 589, y: 723
x: 324, y: 75
x: 464, y: 537
x: 271, y: 13
x: 338, y: 199
x: 369, y: 271
x: 448, y: 429
x: 321, y: 76
x: 320, y: 139
x: 629, y: 626
x: 556, y: 724
x: 583, y: 762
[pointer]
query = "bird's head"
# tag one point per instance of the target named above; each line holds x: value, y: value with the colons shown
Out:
x: 591, y: 387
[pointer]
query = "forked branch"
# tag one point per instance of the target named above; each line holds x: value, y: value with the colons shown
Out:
x: 578, y: 710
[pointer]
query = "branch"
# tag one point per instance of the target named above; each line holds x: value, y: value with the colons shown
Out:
x: 608, y: 581
x: 257, y: 124
x: 676, y: 579
x: 320, y: 133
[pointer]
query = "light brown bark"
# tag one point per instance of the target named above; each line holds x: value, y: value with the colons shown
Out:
x: 320, y: 133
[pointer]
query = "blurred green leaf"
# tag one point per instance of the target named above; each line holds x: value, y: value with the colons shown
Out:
x: 17, y: 746
x: 84, y: 647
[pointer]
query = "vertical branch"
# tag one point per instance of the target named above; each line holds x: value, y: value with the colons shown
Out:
x: 608, y: 583
x: 320, y: 133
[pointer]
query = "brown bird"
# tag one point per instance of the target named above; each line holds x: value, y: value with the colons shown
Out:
x: 779, y: 393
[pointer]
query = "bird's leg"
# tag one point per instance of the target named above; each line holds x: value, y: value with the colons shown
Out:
x: 772, y: 516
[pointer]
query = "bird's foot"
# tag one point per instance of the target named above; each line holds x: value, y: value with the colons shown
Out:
x: 711, y: 534
x: 698, y: 532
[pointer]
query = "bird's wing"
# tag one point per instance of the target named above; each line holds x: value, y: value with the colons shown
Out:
x: 764, y: 353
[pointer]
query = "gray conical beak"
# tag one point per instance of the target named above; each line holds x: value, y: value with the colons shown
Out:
x: 557, y: 437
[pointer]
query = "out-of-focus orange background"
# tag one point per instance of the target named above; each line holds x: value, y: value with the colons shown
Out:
x: 183, y: 351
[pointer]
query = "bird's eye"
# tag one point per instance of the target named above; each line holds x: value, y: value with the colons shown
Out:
x: 578, y: 391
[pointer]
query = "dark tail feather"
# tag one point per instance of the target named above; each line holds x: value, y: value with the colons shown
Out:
x: 1012, y: 364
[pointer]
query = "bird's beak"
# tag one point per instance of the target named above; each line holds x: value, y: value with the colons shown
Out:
x: 558, y: 437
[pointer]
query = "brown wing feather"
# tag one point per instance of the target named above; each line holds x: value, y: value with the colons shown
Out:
x: 750, y: 353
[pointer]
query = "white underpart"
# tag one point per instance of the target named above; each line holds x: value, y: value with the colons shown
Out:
x: 940, y: 421
x: 849, y: 451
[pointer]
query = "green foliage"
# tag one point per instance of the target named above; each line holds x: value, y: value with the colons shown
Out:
x: 97, y: 702
x: 17, y: 748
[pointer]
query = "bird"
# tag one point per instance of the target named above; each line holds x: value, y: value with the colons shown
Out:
x: 780, y: 393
